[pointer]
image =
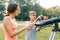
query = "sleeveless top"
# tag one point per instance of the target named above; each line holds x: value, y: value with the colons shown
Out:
x: 31, y: 34
x: 13, y: 27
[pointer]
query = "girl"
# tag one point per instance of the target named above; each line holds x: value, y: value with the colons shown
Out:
x: 9, y: 22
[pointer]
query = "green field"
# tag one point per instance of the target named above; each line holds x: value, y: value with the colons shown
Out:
x: 42, y: 35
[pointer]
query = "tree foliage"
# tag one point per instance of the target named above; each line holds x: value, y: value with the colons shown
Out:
x: 29, y: 5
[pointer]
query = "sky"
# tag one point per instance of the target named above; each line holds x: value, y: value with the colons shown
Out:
x: 49, y: 3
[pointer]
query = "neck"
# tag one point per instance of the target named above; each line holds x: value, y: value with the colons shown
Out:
x: 11, y: 15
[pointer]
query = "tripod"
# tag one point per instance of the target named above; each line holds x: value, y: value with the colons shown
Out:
x: 54, y: 30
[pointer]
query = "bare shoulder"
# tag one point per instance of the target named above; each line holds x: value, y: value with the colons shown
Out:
x: 6, y: 18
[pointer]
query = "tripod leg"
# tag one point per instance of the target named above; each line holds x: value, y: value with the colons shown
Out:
x: 52, y: 35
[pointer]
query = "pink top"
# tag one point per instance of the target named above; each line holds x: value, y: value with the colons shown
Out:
x: 13, y: 27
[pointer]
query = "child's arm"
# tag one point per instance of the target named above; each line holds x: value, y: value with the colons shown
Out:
x: 38, y: 29
x: 33, y: 23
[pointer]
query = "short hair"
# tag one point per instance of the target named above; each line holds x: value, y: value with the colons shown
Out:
x: 32, y: 12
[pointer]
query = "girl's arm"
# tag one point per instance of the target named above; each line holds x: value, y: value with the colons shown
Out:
x: 7, y: 24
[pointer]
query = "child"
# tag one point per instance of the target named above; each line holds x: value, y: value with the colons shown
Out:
x: 31, y: 34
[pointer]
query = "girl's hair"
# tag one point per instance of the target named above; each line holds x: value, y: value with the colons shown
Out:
x: 11, y: 8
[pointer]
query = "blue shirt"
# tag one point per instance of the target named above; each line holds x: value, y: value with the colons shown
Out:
x: 31, y: 34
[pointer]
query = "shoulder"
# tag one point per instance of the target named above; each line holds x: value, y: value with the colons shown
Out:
x: 6, y: 18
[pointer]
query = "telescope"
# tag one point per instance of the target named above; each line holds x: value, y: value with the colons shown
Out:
x: 49, y: 21
x: 54, y: 20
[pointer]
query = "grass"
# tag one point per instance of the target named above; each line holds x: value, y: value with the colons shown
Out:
x: 43, y: 34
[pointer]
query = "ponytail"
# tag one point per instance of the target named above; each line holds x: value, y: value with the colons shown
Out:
x: 7, y: 14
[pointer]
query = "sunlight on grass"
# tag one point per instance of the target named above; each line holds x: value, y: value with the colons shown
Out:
x: 43, y: 34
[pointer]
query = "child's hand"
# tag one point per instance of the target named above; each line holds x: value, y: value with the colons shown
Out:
x: 39, y: 17
x: 38, y: 29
